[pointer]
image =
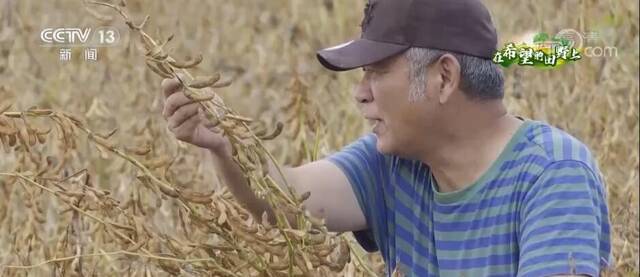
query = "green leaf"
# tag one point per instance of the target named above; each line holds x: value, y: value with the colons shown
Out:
x: 540, y: 37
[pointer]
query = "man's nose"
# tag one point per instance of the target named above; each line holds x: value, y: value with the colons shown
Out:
x: 362, y: 92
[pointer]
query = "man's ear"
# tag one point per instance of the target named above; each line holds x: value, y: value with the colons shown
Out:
x: 449, y: 71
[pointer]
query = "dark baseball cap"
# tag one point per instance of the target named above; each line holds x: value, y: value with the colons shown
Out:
x: 390, y: 27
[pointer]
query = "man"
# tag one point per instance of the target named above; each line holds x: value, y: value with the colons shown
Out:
x: 448, y: 183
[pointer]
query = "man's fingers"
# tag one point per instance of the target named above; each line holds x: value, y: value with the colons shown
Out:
x: 170, y: 86
x: 182, y: 114
x: 173, y: 103
x: 205, y: 121
x: 187, y: 129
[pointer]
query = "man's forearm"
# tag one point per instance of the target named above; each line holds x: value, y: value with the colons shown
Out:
x: 238, y: 185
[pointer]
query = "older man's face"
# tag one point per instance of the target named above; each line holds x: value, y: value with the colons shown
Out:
x: 383, y: 97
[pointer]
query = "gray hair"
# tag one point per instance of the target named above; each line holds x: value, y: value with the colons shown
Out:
x: 480, y: 79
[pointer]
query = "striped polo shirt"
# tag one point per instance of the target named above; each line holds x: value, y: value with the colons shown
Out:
x: 539, y: 210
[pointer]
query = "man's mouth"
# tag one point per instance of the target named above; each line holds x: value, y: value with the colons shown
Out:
x: 373, y: 122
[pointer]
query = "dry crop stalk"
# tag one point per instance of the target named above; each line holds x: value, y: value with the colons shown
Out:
x: 71, y: 198
x: 233, y: 126
x: 126, y: 229
x: 304, y: 119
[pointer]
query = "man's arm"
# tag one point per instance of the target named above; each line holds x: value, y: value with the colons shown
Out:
x: 331, y: 195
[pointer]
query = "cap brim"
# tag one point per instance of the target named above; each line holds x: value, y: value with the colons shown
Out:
x: 357, y: 53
